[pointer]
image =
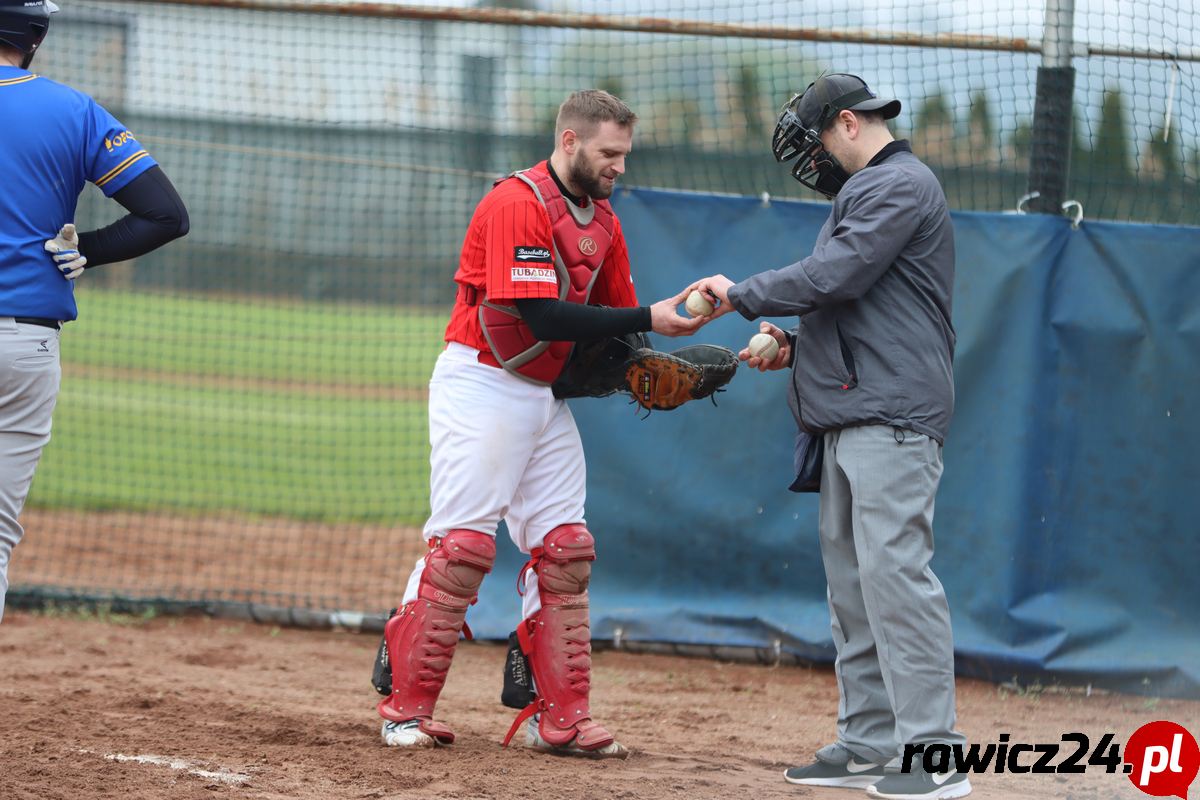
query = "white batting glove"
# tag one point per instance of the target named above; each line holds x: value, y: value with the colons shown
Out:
x: 65, y: 250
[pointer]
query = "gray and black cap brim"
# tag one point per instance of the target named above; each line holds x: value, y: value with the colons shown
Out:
x: 890, y: 108
x: 839, y: 91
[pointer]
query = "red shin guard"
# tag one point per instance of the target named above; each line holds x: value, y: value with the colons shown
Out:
x: 422, y: 636
x: 558, y: 642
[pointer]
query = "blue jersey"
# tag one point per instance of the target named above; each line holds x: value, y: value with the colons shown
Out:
x: 52, y: 141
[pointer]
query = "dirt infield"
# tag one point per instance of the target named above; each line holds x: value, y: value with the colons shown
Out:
x: 112, y: 707
x: 228, y: 557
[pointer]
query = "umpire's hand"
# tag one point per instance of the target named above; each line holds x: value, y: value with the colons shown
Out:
x: 65, y: 250
x: 714, y: 287
x: 782, y: 360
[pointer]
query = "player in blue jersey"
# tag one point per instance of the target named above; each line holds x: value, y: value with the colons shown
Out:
x: 53, y: 140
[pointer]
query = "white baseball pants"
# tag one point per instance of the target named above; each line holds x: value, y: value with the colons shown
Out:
x: 502, y: 448
x: 29, y: 380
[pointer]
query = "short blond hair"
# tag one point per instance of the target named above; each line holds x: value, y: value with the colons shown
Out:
x: 583, y: 112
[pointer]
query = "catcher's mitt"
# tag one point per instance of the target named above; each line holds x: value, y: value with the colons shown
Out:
x: 662, y: 381
x: 597, y: 367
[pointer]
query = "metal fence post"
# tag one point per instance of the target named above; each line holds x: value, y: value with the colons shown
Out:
x: 1050, y: 144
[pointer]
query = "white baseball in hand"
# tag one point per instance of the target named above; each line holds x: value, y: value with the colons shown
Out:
x: 698, y: 305
x: 764, y: 346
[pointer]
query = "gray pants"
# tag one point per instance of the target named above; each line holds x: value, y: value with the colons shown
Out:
x: 29, y: 378
x: 890, y: 620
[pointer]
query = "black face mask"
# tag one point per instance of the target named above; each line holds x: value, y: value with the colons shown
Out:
x: 815, y: 166
x: 821, y: 172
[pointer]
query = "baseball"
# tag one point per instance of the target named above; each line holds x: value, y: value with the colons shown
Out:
x: 764, y: 346
x: 698, y: 305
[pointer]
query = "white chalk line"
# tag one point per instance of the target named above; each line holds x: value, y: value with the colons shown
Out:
x: 223, y: 775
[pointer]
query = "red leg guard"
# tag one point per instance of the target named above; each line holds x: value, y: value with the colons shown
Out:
x: 422, y: 636
x: 558, y: 641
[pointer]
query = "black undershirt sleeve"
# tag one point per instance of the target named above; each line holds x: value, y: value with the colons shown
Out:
x: 560, y: 321
x: 156, y: 216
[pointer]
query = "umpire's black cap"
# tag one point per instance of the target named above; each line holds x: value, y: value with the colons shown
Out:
x: 806, y: 115
x: 830, y: 94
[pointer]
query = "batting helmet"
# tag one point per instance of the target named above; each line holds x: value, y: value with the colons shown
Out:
x: 23, y: 25
x: 808, y: 114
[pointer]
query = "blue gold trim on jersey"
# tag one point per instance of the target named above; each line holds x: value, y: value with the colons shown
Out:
x: 119, y: 168
x: 15, y: 81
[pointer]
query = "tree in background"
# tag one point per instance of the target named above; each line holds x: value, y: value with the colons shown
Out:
x: 747, y: 100
x: 981, y: 132
x: 933, y: 131
x: 1112, y: 155
x: 613, y: 85
x: 690, y: 118
x: 1082, y: 165
x: 1018, y: 148
x: 1020, y: 141
x: 1163, y: 161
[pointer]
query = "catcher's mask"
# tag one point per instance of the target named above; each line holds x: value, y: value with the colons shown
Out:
x: 806, y: 116
x: 23, y: 25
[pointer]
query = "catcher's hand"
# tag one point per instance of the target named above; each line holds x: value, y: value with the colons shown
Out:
x: 662, y: 381
x: 666, y: 319
x: 65, y: 252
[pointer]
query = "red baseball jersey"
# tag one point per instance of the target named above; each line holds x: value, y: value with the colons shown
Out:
x: 510, y: 225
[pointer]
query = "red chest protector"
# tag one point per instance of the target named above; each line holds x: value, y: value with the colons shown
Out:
x: 582, y: 238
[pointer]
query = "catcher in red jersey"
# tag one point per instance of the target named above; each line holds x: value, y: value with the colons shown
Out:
x: 544, y: 265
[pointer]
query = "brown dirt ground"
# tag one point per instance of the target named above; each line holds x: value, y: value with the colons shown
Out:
x: 225, y: 557
x: 116, y: 707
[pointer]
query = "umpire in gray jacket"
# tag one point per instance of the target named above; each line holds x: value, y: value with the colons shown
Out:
x: 872, y: 377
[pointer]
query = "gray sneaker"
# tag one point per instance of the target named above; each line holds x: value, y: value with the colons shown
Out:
x: 853, y: 774
x: 921, y: 785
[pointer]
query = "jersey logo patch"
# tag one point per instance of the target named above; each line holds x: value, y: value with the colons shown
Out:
x: 532, y: 255
x: 534, y: 275
x: 587, y: 245
x: 118, y: 140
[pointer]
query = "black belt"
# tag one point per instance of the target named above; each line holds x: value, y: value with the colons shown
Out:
x: 45, y: 323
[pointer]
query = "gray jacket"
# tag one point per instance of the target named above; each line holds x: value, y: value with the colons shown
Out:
x: 875, y: 342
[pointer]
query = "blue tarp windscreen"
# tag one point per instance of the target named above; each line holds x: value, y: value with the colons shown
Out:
x: 1068, y: 520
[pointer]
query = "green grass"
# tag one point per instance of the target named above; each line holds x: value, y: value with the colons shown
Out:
x: 206, y: 406
x: 238, y: 338
x: 98, y: 612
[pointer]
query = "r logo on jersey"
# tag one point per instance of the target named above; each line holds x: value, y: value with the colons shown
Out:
x: 532, y: 255
x: 587, y: 245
